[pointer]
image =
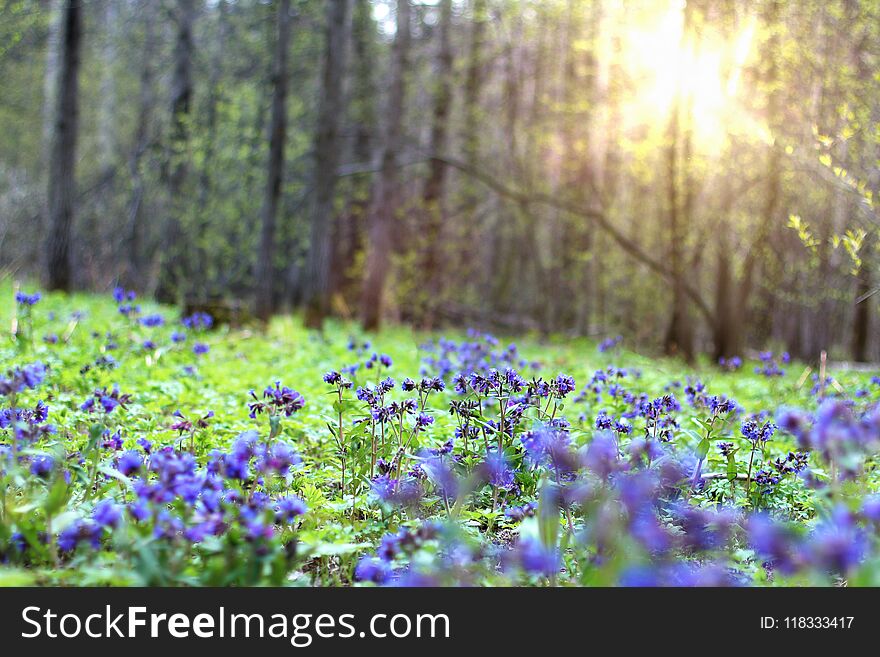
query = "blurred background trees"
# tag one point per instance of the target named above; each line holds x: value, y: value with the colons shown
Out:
x: 700, y: 176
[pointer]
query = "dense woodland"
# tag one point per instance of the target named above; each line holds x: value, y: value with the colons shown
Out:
x: 698, y: 177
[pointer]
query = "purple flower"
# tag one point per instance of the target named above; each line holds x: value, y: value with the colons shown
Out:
x: 79, y: 531
x: 198, y: 321
x: 129, y: 463
x: 837, y: 545
x: 279, y: 399
x: 370, y: 569
x: 602, y: 457
x: 533, y: 557
x: 152, y: 320
x: 288, y: 508
x: 564, y: 385
x: 332, y: 377
x: 109, y: 403
x: 383, y: 487
x: 41, y: 466
x: 610, y: 343
x: 757, y: 433
x: 25, y: 299
x: 23, y: 378
x: 497, y: 471
x: 107, y: 514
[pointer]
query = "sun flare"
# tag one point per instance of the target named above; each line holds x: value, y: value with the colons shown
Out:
x: 700, y: 69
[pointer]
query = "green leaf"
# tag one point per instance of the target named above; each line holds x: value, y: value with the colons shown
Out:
x: 703, y: 448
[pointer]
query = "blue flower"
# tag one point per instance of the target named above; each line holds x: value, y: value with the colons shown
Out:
x: 25, y: 299
x: 533, y: 557
x: 152, y: 320
x: 288, y: 508
x: 41, y: 466
x: 370, y: 569
x: 107, y: 514
x: 79, y: 531
x: 129, y: 463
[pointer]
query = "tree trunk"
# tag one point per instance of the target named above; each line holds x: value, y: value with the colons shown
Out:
x: 726, y: 327
x: 50, y: 78
x: 62, y: 180
x: 275, y: 170
x: 146, y: 98
x: 350, y: 229
x: 209, y: 145
x: 107, y: 107
x: 772, y: 182
x: 435, y: 184
x: 317, y: 290
x: 464, y: 262
x: 861, y: 327
x: 679, y: 336
x: 378, y: 255
x: 174, y: 270
x: 473, y: 81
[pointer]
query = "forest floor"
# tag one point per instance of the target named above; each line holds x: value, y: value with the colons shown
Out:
x: 174, y: 473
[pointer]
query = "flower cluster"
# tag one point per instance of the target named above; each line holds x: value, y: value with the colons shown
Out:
x: 772, y: 365
x: 480, y: 353
x: 609, y: 344
x: 276, y: 400
x: 24, y: 299
x: 108, y: 400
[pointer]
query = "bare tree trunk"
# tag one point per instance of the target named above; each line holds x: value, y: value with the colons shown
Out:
x: 277, y: 137
x: 862, y: 315
x: 861, y: 327
x: 107, y: 108
x: 772, y: 189
x: 318, y: 273
x: 206, y: 195
x: 62, y: 180
x: 473, y: 85
x: 383, y: 215
x: 474, y: 81
x: 50, y: 79
x: 435, y: 184
x: 679, y: 336
x: 146, y: 99
x: 350, y: 229
x: 173, y: 274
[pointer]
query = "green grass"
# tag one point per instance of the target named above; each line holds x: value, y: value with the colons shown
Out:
x: 332, y: 536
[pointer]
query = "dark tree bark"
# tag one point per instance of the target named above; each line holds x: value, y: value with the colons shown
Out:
x: 474, y: 81
x: 725, y: 327
x: 435, y: 184
x: 738, y: 313
x: 210, y: 128
x: 62, y: 179
x: 350, y: 229
x: 174, y: 271
x: 679, y: 336
x: 330, y: 111
x: 463, y: 261
x: 146, y: 99
x: 862, y: 315
x: 386, y: 200
x: 275, y: 170
x: 861, y: 326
